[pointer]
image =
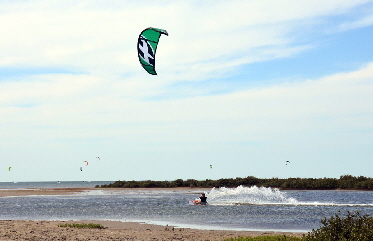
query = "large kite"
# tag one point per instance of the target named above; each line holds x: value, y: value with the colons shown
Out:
x: 147, y: 46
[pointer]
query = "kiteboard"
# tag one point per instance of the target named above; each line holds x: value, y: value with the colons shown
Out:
x: 196, y: 202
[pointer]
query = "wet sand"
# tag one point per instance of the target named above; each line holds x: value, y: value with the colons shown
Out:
x: 114, y: 230
x: 40, y: 191
x: 69, y: 191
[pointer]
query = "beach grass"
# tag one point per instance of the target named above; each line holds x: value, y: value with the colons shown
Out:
x: 266, y: 238
x: 81, y: 225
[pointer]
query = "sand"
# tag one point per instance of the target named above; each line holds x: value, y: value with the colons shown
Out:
x: 114, y: 230
x: 40, y: 191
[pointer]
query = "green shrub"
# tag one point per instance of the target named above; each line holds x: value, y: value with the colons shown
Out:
x: 81, y: 225
x: 347, y: 182
x: 352, y: 227
x: 266, y: 238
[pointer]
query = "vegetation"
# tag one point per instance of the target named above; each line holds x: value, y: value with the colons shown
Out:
x: 81, y: 225
x: 352, y: 227
x: 344, y: 182
x: 266, y: 238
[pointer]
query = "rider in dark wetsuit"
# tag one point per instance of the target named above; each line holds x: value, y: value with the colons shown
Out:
x: 203, y: 199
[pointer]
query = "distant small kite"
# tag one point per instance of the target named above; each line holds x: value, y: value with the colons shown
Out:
x: 86, y: 163
x: 98, y: 157
x: 287, y: 162
x: 9, y: 168
x: 211, y: 166
x: 81, y: 168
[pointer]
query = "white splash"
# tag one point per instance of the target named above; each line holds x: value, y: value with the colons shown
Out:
x: 249, y: 196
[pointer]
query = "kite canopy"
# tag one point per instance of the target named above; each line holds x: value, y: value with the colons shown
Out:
x: 147, y: 46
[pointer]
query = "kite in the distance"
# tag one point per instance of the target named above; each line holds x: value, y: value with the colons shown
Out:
x: 9, y: 168
x: 86, y: 163
x: 287, y: 162
x: 147, y: 46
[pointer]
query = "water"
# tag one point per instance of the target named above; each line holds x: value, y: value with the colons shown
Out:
x: 240, y: 208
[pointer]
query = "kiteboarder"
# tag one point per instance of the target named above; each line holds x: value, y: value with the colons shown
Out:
x: 203, y: 199
x: 200, y: 200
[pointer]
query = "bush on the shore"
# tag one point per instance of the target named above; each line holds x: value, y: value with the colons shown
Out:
x: 344, y: 182
x: 81, y: 225
x: 352, y: 227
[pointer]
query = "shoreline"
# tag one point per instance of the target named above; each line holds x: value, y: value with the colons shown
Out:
x: 7, y: 192
x: 75, y: 190
x: 41, y: 191
x: 116, y: 230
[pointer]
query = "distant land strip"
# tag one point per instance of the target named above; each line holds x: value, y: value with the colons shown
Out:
x: 345, y: 182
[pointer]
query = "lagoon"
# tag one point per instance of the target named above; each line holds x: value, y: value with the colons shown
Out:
x: 241, y: 208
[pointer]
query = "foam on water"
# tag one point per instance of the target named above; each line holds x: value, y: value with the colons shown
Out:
x: 264, y: 196
x: 248, y: 195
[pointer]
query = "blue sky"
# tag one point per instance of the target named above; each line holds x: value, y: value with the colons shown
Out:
x: 242, y: 85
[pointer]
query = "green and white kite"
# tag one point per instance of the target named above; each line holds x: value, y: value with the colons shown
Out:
x: 147, y: 46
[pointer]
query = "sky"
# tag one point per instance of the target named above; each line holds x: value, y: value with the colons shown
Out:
x: 243, y: 86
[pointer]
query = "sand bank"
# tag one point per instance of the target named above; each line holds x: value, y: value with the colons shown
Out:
x: 69, y: 191
x: 40, y: 191
x: 115, y: 230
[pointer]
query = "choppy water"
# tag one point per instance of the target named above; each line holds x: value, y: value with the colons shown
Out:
x: 240, y: 208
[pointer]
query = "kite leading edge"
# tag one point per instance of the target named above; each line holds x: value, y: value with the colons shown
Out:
x: 147, y: 46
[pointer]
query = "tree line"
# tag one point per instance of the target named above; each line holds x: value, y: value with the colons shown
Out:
x: 343, y: 182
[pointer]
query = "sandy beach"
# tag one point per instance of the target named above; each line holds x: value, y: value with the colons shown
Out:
x: 114, y: 230
x: 69, y: 191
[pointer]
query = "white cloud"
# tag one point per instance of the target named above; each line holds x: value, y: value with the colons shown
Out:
x: 98, y: 38
x: 359, y: 23
x: 79, y: 102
